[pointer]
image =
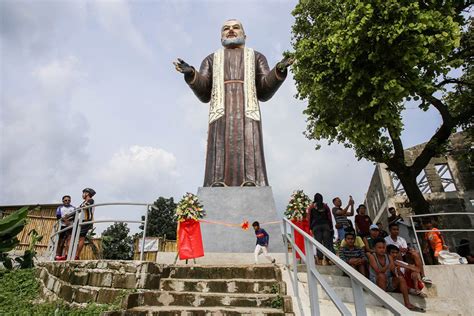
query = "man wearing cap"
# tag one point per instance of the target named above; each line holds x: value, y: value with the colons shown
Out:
x: 87, y: 215
x: 369, y: 240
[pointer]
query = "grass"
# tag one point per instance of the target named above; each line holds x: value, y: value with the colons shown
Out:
x: 19, y: 289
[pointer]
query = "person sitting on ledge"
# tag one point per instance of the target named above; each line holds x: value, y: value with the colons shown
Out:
x: 407, y: 253
x: 353, y: 255
x: 358, y: 241
x: 410, y: 272
x: 384, y: 273
x: 369, y: 241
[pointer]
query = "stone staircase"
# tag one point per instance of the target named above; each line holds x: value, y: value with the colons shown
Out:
x: 433, y: 304
x: 151, y: 289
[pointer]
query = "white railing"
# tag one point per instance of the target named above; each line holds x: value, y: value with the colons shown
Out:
x: 440, y: 230
x: 359, y: 282
x: 78, y: 223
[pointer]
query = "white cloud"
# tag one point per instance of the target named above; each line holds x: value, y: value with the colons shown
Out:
x: 59, y: 76
x: 44, y: 140
x: 139, y: 173
x: 116, y: 18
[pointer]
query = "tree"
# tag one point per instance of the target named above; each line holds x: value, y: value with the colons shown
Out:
x: 161, y: 221
x: 116, y: 244
x: 10, y: 227
x: 358, y: 63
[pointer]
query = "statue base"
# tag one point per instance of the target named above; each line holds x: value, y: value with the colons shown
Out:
x: 235, y: 205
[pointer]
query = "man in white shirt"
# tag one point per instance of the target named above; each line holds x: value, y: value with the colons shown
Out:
x: 401, y: 243
x: 63, y: 213
x: 394, y: 239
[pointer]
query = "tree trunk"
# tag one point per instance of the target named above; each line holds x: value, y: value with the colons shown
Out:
x: 417, y: 201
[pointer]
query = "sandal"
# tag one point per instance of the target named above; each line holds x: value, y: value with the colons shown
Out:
x: 416, y: 309
x: 417, y: 292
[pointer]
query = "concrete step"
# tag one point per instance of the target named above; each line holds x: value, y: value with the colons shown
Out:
x: 327, y: 307
x: 193, y: 299
x: 344, y: 281
x: 219, y: 258
x: 333, y: 270
x: 267, y: 271
x: 223, y: 285
x: 334, y: 280
x: 198, y: 311
x: 435, y: 305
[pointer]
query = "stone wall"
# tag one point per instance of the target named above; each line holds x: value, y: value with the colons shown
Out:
x: 102, y: 282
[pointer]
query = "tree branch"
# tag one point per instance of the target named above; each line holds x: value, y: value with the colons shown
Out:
x: 398, y: 158
x: 438, y: 139
x: 440, y: 106
x: 456, y: 81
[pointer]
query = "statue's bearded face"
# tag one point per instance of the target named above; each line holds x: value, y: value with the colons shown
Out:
x: 232, y: 34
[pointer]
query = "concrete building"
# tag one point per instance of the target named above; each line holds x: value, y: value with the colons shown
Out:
x: 447, y: 182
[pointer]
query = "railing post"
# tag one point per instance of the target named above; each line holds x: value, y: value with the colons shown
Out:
x: 76, y: 238
x: 75, y: 228
x: 295, y: 263
x: 359, y: 300
x: 55, y: 241
x: 312, y: 281
x: 417, y: 241
x: 285, y: 242
x: 142, y: 250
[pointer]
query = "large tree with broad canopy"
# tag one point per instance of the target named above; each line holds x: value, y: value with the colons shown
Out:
x: 358, y: 63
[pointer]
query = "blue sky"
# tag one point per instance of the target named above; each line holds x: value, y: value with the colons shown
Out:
x: 90, y: 98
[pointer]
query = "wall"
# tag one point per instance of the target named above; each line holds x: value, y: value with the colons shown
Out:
x: 454, y: 281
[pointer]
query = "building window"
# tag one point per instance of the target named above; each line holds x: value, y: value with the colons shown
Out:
x: 423, y: 183
x: 446, y: 177
x: 397, y: 185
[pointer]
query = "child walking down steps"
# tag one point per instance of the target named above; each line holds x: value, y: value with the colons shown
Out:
x: 262, y: 243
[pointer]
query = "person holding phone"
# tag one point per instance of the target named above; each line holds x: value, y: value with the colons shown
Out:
x: 340, y: 215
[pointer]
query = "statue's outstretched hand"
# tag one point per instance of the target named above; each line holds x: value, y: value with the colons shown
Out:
x: 285, y: 63
x: 183, y: 66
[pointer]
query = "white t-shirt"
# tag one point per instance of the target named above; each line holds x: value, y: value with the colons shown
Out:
x: 400, y: 243
x: 64, y: 210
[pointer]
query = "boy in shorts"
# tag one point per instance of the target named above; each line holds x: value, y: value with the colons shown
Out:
x: 387, y: 276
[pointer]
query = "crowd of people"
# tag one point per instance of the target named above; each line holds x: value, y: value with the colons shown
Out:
x: 66, y: 214
x: 384, y: 258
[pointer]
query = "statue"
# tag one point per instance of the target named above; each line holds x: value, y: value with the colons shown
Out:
x: 233, y: 80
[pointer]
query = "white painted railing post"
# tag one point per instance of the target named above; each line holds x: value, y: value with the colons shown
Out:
x: 295, y: 263
x: 72, y: 241
x: 285, y: 242
x: 142, y: 250
x: 312, y: 282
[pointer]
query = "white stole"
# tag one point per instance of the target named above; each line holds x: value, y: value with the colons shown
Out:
x: 217, y: 106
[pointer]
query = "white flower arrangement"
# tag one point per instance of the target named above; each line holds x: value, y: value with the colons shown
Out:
x: 189, y: 208
x: 296, y: 209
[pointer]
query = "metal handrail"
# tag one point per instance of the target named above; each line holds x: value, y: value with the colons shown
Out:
x: 415, y: 231
x: 358, y: 281
x: 78, y: 222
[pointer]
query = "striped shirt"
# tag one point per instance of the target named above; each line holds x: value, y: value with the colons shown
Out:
x: 340, y: 219
x: 346, y: 254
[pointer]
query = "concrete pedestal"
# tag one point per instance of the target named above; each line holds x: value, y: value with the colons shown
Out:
x: 234, y: 205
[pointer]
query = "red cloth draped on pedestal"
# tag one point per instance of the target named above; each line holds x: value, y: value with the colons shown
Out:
x: 299, y: 239
x: 190, y: 240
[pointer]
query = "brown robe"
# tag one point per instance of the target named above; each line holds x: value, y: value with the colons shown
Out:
x: 234, y: 144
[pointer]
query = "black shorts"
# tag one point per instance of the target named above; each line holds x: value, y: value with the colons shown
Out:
x: 66, y: 233
x: 85, y: 229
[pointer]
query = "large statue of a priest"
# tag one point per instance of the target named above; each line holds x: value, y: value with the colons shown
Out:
x: 233, y: 80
